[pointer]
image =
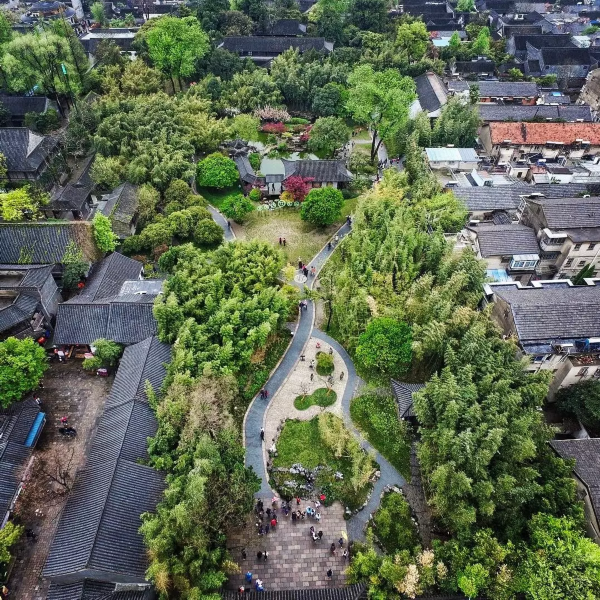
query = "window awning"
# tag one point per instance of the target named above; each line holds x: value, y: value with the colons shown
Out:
x: 36, y: 429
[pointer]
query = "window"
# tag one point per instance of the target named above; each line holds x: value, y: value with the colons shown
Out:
x: 523, y: 264
x: 539, y: 358
x: 581, y: 263
x: 569, y: 262
x: 583, y: 371
x: 591, y: 246
x: 597, y: 373
x: 577, y: 247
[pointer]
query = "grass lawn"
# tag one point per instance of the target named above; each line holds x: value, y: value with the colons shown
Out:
x: 300, y: 442
x: 363, y: 135
x: 217, y: 197
x: 320, y: 397
x: 393, y: 526
x: 303, y: 239
x: 377, y: 418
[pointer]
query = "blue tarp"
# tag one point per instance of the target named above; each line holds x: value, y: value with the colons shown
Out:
x: 36, y: 429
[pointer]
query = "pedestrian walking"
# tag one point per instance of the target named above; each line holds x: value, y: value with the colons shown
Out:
x: 267, y: 528
x: 262, y: 434
x: 302, y: 358
x: 312, y: 364
x: 332, y: 549
x: 228, y: 224
x: 261, y: 531
x: 313, y: 271
x: 330, y: 350
x: 258, y: 555
x: 345, y: 555
x: 329, y: 573
x: 280, y: 241
x: 241, y: 589
x: 318, y: 517
x: 320, y: 534
x: 298, y: 497
x: 284, y: 242
x: 266, y: 393
x: 244, y: 554
x: 300, y: 264
x: 341, y: 542
x: 294, y: 516
x: 317, y: 504
x: 64, y: 420
x: 341, y: 375
x: 273, y: 523
x: 329, y: 245
x: 312, y: 376
x: 305, y: 304
x: 305, y: 271
x: 266, y: 555
x: 249, y: 576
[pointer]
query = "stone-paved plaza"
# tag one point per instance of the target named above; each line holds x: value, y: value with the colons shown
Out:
x: 295, y: 561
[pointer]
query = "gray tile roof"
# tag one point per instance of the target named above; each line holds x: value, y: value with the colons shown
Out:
x: 107, y: 277
x: 36, y: 243
x: 18, y: 106
x: 286, y: 27
x: 121, y: 207
x: 570, y: 213
x: 140, y: 363
x: 475, y: 66
x: 15, y: 424
x: 121, y: 322
x: 431, y: 92
x: 70, y: 197
x: 99, y: 528
x: 567, y: 56
x: 586, y: 453
x: 318, y: 170
x: 351, y: 592
x: 25, y: 150
x: 404, y: 397
x: 95, y: 590
x: 272, y: 44
x: 20, y: 311
x: 504, y: 240
x: 552, y: 313
x: 544, y: 40
x: 498, y: 89
x: 508, y: 197
x: 519, y: 112
x: 245, y: 169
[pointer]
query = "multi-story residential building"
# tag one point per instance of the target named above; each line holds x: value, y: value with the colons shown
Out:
x: 568, y: 231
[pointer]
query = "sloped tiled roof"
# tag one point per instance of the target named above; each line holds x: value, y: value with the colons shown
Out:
x: 99, y: 527
x: 586, y: 453
x: 498, y: 89
x: 25, y: 150
x: 272, y: 44
x: 553, y: 313
x: 431, y: 91
x: 107, y: 277
x: 504, y: 240
x: 38, y: 243
x: 566, y: 56
x: 20, y: 311
x: 19, y: 106
x: 475, y: 66
x: 351, y: 592
x: 540, y: 134
x: 245, y: 170
x: 520, y: 112
x: 404, y: 396
x: 317, y: 170
x: 544, y: 40
x: 570, y: 213
x: 285, y: 27
x: 121, y: 207
x: 95, y: 590
x: 121, y: 322
x: 15, y: 424
x: 71, y: 197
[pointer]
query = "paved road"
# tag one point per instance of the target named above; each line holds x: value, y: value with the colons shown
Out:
x: 257, y: 410
x: 389, y: 475
x: 221, y: 221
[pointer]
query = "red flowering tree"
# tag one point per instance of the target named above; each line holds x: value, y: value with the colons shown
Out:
x: 276, y: 128
x: 297, y: 186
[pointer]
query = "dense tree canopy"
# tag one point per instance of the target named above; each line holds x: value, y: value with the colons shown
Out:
x: 322, y: 206
x: 217, y: 171
x: 22, y: 365
x: 328, y: 134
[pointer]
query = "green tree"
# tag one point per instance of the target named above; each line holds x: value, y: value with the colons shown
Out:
x: 328, y: 134
x: 237, y: 207
x: 465, y: 5
x: 9, y: 536
x: 385, y: 347
x: 248, y: 91
x: 322, y: 206
x: 22, y: 203
x: 216, y: 171
x: 583, y: 400
x: 148, y: 199
x: 138, y: 79
x: 74, y: 266
x: 106, y: 240
x: 97, y: 10
x: 235, y: 22
x: 42, y: 122
x: 457, y: 124
x: 482, y: 44
x: 106, y: 354
x: 328, y: 101
x: 585, y: 272
x: 106, y: 172
x: 455, y: 41
x: 175, y: 45
x: 393, y: 524
x: 3, y: 167
x: 245, y: 127
x: 209, y: 14
x: 369, y: 15
x: 515, y: 75
x: 560, y: 562
x: 178, y: 191
x: 412, y: 40
x: 379, y: 100
x: 22, y: 365
x: 208, y: 234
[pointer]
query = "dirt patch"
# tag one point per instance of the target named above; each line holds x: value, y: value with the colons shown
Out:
x: 68, y: 391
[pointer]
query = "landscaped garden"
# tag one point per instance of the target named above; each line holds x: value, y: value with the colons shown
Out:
x: 376, y: 416
x: 320, y: 397
x: 322, y: 456
x: 393, y: 524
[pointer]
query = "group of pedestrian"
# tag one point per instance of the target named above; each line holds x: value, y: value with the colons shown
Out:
x: 258, y: 584
x: 282, y: 241
x: 264, y: 393
x: 303, y: 305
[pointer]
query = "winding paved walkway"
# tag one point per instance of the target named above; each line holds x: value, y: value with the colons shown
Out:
x: 255, y: 417
x: 221, y: 221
